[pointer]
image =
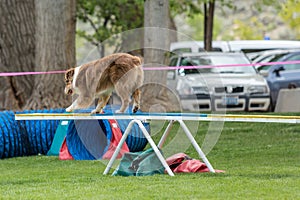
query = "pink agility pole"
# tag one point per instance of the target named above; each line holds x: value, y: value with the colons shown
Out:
x: 161, y: 68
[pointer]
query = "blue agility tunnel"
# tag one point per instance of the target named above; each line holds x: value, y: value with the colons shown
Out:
x: 90, y: 139
x: 86, y: 139
x: 24, y: 138
x: 136, y: 140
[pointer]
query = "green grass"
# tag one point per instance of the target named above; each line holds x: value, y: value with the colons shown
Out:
x: 262, y: 161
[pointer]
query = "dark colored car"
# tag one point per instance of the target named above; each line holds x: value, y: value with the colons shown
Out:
x: 282, y: 76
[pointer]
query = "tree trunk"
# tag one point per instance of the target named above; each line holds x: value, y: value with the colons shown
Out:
x: 17, y: 51
x: 156, y: 44
x: 55, y: 50
x: 208, y: 24
x: 173, y: 34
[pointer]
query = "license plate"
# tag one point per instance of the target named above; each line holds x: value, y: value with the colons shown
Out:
x: 230, y: 100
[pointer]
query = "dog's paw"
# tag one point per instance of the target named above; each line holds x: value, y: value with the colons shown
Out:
x: 69, y: 109
x: 119, y: 111
x: 135, y: 109
x: 96, y: 111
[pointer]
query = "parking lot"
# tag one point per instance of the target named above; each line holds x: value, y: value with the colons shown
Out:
x: 246, y: 76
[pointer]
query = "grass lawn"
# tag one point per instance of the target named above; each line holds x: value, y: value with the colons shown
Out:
x: 262, y: 161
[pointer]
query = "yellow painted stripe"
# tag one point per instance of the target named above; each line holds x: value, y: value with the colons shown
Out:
x: 164, y: 114
x: 51, y: 114
x: 255, y: 116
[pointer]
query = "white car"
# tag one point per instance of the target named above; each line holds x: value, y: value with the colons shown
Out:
x: 247, y: 46
x: 218, y: 84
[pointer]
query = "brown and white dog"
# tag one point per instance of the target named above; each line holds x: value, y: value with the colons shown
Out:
x: 121, y: 72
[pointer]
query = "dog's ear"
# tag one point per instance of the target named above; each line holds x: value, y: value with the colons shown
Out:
x: 69, y: 74
x: 137, y: 60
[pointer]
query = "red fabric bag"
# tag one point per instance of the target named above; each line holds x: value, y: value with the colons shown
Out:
x: 64, y: 153
x: 181, y: 162
x: 116, y: 137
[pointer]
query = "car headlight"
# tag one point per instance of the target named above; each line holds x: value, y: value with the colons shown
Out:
x: 200, y: 90
x: 194, y: 90
x: 186, y: 91
x: 257, y: 89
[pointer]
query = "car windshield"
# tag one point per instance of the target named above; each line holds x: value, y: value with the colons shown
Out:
x: 283, y: 57
x: 271, y: 58
x: 215, y: 63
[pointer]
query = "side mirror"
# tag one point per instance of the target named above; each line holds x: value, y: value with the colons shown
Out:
x: 278, y: 69
x: 263, y: 70
x: 264, y: 73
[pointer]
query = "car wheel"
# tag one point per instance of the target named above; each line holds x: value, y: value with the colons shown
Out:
x: 271, y: 107
x: 292, y: 86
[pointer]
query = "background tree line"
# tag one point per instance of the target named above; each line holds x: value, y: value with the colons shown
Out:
x: 39, y: 35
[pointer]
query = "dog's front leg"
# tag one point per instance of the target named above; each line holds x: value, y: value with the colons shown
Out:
x: 72, y: 106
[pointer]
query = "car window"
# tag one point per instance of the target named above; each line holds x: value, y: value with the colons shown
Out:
x: 194, y: 61
x: 173, y: 62
x: 182, y: 50
x: 271, y: 58
x: 213, y: 49
x: 219, y: 60
x: 292, y: 66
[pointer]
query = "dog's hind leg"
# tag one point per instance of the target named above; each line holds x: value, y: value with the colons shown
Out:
x: 136, y: 100
x: 125, y: 97
x: 103, y: 99
x: 125, y: 104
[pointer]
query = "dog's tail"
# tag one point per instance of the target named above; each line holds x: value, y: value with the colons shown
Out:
x: 139, y: 61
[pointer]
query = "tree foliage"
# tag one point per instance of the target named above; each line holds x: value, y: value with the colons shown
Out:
x: 266, y: 17
x: 187, y: 7
x: 197, y: 27
x: 107, y: 18
x: 112, y: 17
x: 290, y: 13
x: 246, y: 31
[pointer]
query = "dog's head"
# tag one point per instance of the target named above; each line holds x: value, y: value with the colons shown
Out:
x: 69, y: 90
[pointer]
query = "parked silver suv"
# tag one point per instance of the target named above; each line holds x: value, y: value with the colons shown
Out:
x: 217, y: 85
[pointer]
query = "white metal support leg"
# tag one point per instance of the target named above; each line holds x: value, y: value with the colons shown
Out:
x: 196, y: 146
x: 166, y: 134
x: 115, y: 154
x: 151, y: 142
